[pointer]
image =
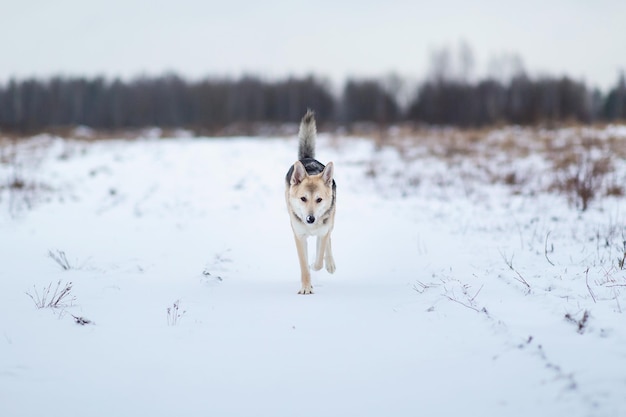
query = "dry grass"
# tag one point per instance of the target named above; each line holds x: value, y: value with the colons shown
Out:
x: 20, y: 160
x: 582, y: 163
x: 59, y: 296
x: 174, y: 315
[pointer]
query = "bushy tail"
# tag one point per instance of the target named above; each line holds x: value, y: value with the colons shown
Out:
x: 307, y: 133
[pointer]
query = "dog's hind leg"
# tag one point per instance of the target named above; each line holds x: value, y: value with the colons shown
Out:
x: 301, y: 246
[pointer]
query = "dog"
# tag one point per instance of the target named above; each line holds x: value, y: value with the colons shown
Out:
x: 310, y: 194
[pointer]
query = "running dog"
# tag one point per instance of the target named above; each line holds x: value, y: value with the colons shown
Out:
x: 310, y: 194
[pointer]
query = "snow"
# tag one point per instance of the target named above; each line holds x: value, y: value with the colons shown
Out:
x: 455, y: 294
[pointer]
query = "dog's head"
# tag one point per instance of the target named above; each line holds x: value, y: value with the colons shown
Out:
x: 311, y: 197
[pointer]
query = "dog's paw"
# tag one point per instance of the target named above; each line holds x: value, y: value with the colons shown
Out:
x: 330, y: 266
x: 306, y: 290
x: 316, y: 267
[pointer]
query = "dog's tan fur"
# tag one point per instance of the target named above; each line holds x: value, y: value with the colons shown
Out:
x: 310, y: 197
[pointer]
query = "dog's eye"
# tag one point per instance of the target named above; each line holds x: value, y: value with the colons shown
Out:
x: 303, y: 199
x: 319, y: 200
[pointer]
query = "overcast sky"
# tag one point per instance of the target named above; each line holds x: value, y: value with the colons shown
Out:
x: 275, y: 38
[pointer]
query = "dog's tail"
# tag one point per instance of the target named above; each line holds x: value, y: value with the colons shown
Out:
x: 307, y: 134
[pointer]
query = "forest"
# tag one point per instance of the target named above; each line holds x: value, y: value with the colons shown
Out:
x: 210, y: 104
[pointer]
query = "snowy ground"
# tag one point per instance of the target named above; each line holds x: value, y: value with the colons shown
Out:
x: 465, y: 284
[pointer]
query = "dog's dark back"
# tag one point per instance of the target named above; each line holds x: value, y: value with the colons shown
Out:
x: 312, y: 167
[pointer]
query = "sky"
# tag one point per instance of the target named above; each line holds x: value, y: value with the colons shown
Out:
x: 583, y: 39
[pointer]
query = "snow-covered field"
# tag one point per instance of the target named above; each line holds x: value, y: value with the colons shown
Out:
x: 469, y: 281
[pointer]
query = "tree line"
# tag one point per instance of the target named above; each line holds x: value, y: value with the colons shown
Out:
x: 206, y: 105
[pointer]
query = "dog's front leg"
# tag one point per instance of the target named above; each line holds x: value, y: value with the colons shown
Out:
x: 324, y: 254
x: 301, y: 246
x: 328, y: 257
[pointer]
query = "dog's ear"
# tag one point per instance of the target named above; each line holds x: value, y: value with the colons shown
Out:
x: 299, y: 173
x: 327, y: 174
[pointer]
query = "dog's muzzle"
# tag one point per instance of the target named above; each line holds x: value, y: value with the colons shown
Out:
x: 310, y: 219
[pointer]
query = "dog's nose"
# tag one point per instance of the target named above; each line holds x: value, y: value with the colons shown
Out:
x: 310, y: 219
